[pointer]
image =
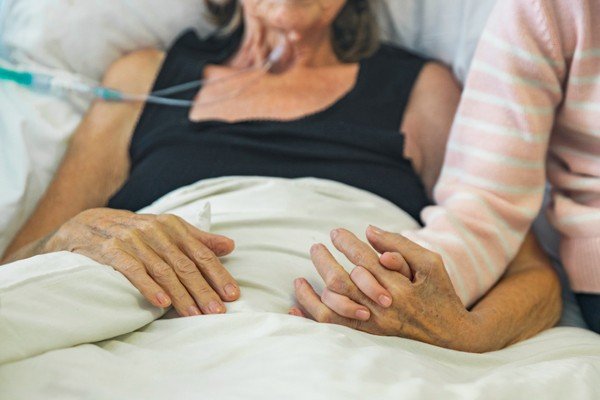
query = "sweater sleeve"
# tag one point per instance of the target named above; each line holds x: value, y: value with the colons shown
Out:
x: 574, y: 157
x: 492, y: 183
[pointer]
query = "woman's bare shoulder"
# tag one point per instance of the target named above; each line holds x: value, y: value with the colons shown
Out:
x: 435, y: 85
x: 134, y: 72
x: 428, y: 119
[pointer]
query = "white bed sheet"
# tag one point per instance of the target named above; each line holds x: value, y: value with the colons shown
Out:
x: 61, y: 312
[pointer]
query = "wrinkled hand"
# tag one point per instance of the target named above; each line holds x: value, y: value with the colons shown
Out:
x: 404, y: 292
x: 168, y: 260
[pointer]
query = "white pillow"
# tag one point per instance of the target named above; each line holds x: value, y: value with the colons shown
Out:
x: 85, y: 36
x: 3, y: 52
x: 444, y: 30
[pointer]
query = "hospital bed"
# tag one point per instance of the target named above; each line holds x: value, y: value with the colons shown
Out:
x: 71, y: 328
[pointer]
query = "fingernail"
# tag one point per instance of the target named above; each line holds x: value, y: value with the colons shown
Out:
x: 231, y: 290
x: 363, y: 315
x: 194, y: 311
x: 163, y: 299
x: 376, y: 230
x: 385, y: 301
x: 215, y: 307
x: 335, y: 233
x: 297, y: 283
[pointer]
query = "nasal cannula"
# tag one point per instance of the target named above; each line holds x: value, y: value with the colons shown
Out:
x: 55, y: 85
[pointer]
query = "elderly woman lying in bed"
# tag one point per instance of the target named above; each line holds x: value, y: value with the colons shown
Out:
x: 339, y: 105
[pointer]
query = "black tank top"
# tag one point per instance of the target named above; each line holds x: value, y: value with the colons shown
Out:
x: 355, y: 141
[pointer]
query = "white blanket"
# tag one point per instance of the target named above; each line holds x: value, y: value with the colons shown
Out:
x: 71, y: 328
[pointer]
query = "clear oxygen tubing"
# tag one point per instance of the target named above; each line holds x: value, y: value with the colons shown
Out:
x: 51, y: 84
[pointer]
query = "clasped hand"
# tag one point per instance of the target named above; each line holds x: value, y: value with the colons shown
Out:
x: 396, y: 289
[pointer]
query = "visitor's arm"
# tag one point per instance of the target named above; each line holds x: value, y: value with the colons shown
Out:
x: 493, y: 177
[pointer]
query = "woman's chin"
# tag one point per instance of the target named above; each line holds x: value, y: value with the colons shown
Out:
x: 288, y: 19
x: 292, y: 15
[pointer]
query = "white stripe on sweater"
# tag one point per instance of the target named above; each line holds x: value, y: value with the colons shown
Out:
x: 511, y: 105
x: 493, y: 157
x: 498, y: 220
x: 512, y: 79
x: 466, y: 233
x: 523, y: 54
x: 489, y: 184
x: 499, y: 130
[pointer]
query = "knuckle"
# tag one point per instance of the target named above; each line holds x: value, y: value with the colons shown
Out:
x: 167, y: 219
x: 204, y: 255
x: 130, y: 268
x: 131, y: 234
x: 161, y: 271
x: 357, y: 273
x: 205, y: 291
x: 435, y: 260
x: 357, y: 255
x: 147, y: 226
x: 337, y: 284
x: 113, y: 243
x: 185, y: 267
x: 182, y: 296
x: 326, y: 296
x: 108, y: 254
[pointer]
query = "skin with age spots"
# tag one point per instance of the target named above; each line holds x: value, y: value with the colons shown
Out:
x: 425, y: 306
x: 430, y: 310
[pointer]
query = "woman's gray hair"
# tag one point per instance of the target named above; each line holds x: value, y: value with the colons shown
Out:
x: 355, y: 31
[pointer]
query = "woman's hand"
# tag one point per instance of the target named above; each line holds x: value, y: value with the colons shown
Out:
x: 413, y: 297
x: 168, y: 260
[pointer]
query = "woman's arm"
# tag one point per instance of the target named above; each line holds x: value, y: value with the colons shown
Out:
x: 526, y: 301
x: 165, y: 258
x: 96, y: 163
x: 424, y: 304
x: 428, y: 119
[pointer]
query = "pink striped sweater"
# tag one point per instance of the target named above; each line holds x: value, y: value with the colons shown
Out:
x: 530, y: 111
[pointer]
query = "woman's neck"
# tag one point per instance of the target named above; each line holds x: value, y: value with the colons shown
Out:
x: 310, y: 48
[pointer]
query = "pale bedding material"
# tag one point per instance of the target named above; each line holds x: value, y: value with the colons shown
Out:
x: 71, y: 328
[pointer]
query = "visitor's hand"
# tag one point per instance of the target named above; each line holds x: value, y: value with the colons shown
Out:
x: 168, y: 260
x: 387, y: 294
